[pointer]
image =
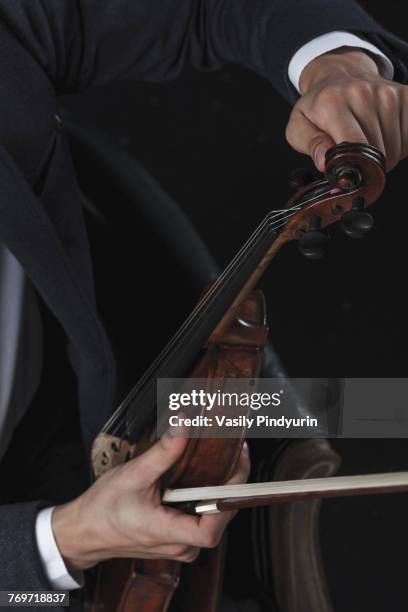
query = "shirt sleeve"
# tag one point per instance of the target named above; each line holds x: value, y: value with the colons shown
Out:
x: 52, y: 561
x: 334, y: 40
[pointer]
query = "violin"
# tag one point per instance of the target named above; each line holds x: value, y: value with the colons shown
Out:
x: 224, y: 337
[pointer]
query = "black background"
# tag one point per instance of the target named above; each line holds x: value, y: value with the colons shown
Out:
x: 216, y: 143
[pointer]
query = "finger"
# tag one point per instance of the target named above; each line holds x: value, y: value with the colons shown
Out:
x: 342, y: 126
x: 179, y: 552
x: 369, y: 122
x: 153, y: 463
x: 213, y: 526
x: 175, y: 552
x: 374, y: 133
x: 176, y: 527
x: 191, y: 556
x: 203, y: 530
x: 191, y: 553
x: 392, y: 141
x: 404, y: 120
x: 186, y: 554
x: 389, y: 116
x: 184, y: 558
x: 307, y: 138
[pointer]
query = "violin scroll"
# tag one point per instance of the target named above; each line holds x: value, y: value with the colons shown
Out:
x: 350, y: 165
x: 355, y: 178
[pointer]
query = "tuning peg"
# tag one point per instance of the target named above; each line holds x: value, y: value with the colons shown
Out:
x: 300, y: 177
x: 314, y: 244
x: 357, y: 222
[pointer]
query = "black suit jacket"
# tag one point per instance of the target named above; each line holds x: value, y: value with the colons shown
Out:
x: 51, y: 47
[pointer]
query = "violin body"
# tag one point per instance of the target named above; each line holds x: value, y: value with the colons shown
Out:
x: 223, y: 338
x: 122, y: 584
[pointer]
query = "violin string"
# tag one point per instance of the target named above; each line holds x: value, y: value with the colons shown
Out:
x: 201, y: 304
x: 196, y: 314
x: 156, y: 368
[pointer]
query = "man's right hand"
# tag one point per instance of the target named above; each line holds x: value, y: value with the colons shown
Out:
x: 121, y: 514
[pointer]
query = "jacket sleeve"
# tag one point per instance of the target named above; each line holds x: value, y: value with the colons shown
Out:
x: 20, y: 564
x: 88, y: 42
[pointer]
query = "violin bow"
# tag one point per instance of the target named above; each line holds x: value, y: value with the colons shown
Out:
x: 211, y: 500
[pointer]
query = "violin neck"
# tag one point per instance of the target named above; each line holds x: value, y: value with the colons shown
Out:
x: 247, y: 287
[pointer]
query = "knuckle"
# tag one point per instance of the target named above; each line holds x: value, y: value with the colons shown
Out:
x: 356, y: 87
x: 148, y: 536
x: 179, y: 550
x: 388, y: 96
x: 147, y: 541
x: 359, y: 89
x: 190, y: 556
x: 290, y: 128
x: 328, y: 97
x: 128, y: 471
x: 288, y: 134
x: 327, y: 104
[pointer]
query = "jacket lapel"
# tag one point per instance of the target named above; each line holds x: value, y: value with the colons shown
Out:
x: 28, y: 232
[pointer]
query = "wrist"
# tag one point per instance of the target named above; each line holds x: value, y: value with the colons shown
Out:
x: 73, y: 538
x: 344, y: 62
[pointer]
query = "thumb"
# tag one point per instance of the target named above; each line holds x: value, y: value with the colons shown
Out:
x: 305, y: 137
x: 154, y: 462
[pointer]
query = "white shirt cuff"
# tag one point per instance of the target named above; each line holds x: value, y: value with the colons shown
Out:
x: 53, y: 563
x: 329, y: 42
